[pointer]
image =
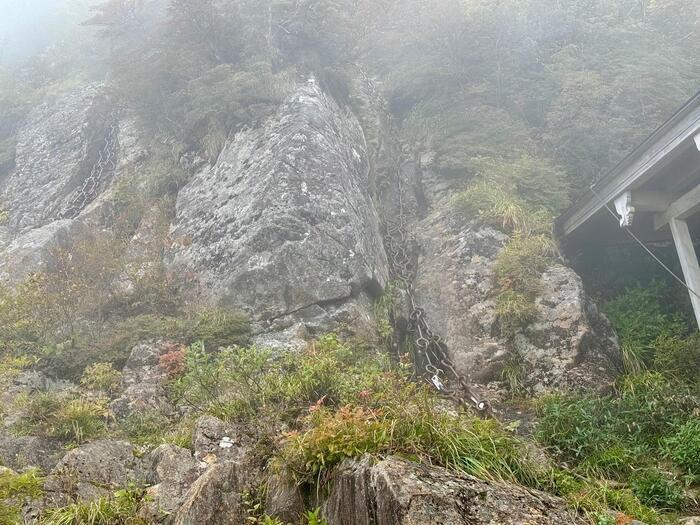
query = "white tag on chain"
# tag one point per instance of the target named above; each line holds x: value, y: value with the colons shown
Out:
x: 437, y: 382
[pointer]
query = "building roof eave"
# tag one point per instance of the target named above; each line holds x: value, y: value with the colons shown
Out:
x: 636, y: 167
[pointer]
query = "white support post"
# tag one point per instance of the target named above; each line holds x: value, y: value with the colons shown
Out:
x: 689, y: 261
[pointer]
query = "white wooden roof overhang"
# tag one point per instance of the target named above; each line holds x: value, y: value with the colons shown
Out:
x: 654, y: 192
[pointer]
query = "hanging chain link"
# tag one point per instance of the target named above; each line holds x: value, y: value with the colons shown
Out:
x: 106, y: 162
x: 431, y: 359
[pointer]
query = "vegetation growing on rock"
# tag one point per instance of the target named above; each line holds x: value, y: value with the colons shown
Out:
x: 504, y: 112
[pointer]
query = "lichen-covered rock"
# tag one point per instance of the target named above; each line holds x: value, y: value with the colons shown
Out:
x: 282, y: 226
x: 283, y: 499
x: 143, y: 381
x: 571, y: 345
x: 215, y: 498
x: 98, y: 468
x: 173, y: 471
x: 57, y: 148
x: 216, y: 441
x: 400, y: 492
x: 223, y: 454
x: 21, y: 452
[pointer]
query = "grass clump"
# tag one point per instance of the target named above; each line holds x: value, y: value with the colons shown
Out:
x: 683, y: 447
x: 514, y: 311
x: 521, y: 263
x: 518, y: 273
x: 496, y: 206
x: 153, y: 428
x: 640, y: 317
x: 526, y: 256
x: 658, y: 491
x: 417, y: 429
x: 120, y: 509
x: 102, y: 378
x: 15, y: 491
x: 71, y: 419
x: 678, y: 357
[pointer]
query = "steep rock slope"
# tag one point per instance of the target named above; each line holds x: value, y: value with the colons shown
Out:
x: 282, y: 226
x: 69, y: 152
x: 570, y: 346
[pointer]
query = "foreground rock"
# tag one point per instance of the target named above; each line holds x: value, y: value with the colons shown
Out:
x: 215, y: 498
x: 173, y: 470
x: 282, y: 226
x: 97, y: 469
x: 23, y: 452
x: 224, y: 454
x: 399, y: 492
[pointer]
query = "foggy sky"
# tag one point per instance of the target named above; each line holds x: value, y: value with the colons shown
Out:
x: 28, y: 26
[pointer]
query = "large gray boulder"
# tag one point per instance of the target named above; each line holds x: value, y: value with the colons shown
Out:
x: 215, y: 498
x: 99, y: 468
x: 570, y: 346
x: 399, y: 492
x: 282, y: 226
x: 22, y: 452
x: 173, y: 471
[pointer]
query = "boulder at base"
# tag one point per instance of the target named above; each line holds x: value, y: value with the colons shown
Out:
x: 400, y: 492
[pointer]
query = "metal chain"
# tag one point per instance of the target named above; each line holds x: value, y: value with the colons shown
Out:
x: 106, y: 162
x: 431, y: 361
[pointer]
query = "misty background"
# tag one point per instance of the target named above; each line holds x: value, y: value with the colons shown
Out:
x: 27, y: 27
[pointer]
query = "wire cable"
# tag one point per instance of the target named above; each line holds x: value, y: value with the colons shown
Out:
x: 631, y: 234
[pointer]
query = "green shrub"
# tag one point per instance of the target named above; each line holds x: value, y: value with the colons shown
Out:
x: 152, y: 428
x: 214, y: 328
x: 679, y: 357
x: 217, y: 328
x: 102, y: 378
x: 683, y: 447
x: 406, y: 422
x: 596, y: 499
x: 121, y: 509
x: 639, y: 317
x: 611, y: 434
x: 622, y: 437
x: 15, y: 491
x: 245, y: 383
x: 655, y: 490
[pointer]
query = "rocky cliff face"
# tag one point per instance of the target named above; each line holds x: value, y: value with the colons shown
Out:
x: 570, y: 346
x: 283, y: 226
x: 70, y: 151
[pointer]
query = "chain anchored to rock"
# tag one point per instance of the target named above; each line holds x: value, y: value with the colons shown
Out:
x: 431, y: 360
x: 106, y: 162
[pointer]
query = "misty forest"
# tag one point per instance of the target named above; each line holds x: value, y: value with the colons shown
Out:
x: 349, y: 262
